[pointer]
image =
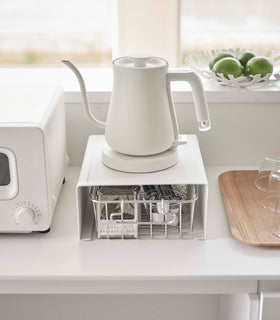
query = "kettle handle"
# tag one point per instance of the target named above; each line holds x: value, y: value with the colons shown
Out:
x: 200, y: 102
x: 90, y: 115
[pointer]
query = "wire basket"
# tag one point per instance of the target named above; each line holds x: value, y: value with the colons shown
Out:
x: 199, y: 62
x: 145, y: 217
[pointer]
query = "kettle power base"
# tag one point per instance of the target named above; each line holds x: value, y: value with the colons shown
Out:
x: 139, y: 164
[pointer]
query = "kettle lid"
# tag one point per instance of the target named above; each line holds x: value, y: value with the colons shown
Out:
x: 140, y: 61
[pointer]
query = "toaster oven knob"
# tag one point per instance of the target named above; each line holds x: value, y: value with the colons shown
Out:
x: 25, y: 216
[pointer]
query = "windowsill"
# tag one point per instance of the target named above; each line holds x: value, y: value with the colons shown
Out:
x: 99, y: 86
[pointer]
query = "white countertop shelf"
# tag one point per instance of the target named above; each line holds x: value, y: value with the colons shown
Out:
x: 99, y: 82
x: 58, y: 262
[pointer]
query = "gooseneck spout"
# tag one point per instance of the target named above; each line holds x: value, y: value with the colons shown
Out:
x: 90, y: 115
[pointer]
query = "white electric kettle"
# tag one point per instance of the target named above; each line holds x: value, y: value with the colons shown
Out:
x: 141, y: 131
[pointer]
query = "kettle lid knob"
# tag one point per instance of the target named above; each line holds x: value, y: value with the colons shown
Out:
x: 140, y: 60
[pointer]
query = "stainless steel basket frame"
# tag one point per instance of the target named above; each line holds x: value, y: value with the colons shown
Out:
x: 135, y: 221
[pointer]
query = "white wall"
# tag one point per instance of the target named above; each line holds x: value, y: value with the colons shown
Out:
x: 109, y: 307
x: 235, y: 307
x: 137, y: 31
x: 242, y: 133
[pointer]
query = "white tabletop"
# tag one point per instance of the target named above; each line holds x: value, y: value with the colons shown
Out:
x: 58, y: 262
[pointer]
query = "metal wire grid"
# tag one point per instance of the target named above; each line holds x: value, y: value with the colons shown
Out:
x: 142, y: 225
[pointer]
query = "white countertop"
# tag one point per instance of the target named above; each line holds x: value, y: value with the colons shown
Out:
x: 58, y: 262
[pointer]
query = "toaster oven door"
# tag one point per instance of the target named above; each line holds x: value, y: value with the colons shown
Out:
x: 8, y: 175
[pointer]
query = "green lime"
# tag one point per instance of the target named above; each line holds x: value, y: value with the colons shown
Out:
x: 219, y: 57
x: 228, y: 66
x: 259, y: 65
x: 245, y: 56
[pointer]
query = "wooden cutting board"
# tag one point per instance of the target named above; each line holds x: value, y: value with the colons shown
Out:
x: 248, y: 221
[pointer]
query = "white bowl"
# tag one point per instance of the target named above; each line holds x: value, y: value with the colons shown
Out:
x: 199, y: 62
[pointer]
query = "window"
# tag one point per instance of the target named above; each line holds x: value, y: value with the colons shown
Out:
x: 218, y: 24
x: 41, y: 33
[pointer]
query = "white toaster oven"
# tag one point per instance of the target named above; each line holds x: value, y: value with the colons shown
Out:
x: 33, y: 156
